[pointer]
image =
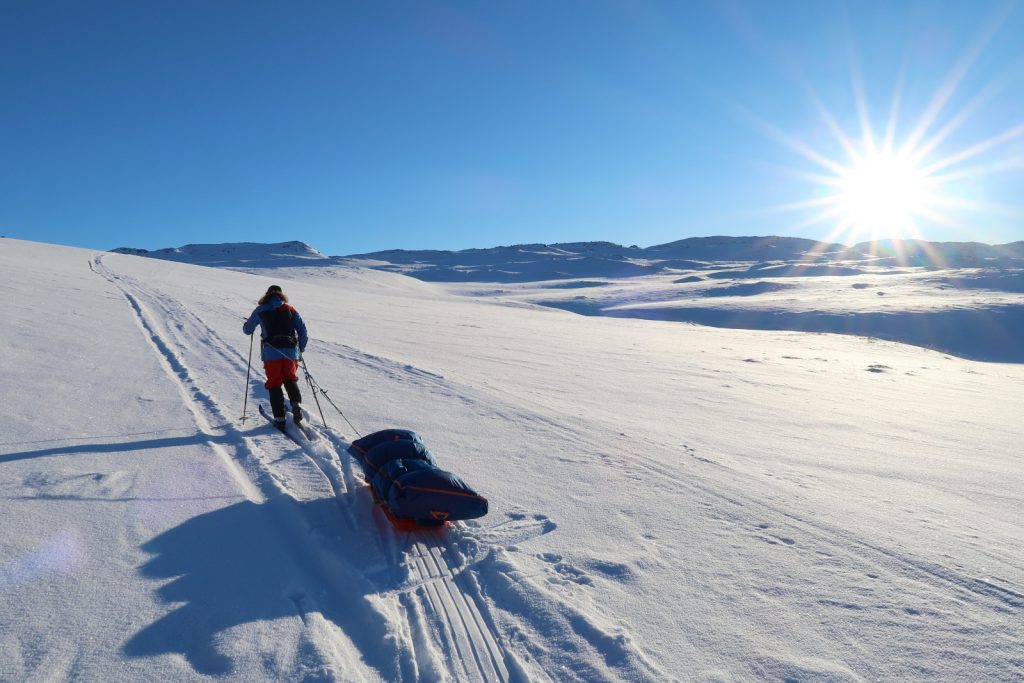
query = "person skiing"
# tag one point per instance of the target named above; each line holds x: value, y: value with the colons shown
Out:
x: 284, y: 339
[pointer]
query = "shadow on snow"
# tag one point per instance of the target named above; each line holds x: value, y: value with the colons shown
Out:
x: 992, y: 334
x: 120, y: 447
x: 226, y: 572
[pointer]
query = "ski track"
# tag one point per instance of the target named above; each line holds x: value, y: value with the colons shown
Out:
x: 441, y: 612
x: 465, y: 631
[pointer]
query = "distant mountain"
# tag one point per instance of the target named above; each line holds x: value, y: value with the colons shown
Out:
x: 747, y: 249
x: 132, y: 251
x: 693, y: 248
x: 722, y: 256
x: 535, y: 262
x: 239, y: 254
x: 944, y: 254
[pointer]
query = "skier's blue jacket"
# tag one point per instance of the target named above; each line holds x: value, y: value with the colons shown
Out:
x: 258, y: 317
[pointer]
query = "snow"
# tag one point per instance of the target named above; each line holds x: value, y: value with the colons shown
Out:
x: 669, y: 501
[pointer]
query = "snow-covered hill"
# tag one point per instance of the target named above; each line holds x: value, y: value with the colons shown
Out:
x: 535, y: 262
x: 965, y: 299
x: 538, y: 262
x: 668, y: 502
x: 961, y: 298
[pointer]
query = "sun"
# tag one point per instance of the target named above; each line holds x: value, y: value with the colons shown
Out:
x: 872, y: 177
x: 881, y: 193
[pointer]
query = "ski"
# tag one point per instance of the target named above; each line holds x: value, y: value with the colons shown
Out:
x: 304, y: 426
x: 285, y: 431
x: 306, y: 431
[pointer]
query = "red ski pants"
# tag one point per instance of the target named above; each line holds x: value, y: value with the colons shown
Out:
x: 280, y: 371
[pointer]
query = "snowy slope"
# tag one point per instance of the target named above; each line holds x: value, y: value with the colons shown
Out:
x: 972, y: 313
x: 667, y: 501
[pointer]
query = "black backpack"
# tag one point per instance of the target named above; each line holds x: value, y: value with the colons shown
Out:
x: 279, y: 329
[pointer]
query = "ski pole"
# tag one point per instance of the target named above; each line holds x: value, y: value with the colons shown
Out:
x: 315, y: 387
x: 309, y: 381
x: 248, y: 369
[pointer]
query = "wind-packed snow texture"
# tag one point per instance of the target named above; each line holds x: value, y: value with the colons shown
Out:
x: 668, y: 501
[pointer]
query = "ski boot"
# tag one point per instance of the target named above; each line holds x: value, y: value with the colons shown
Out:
x: 295, y: 398
x: 277, y: 407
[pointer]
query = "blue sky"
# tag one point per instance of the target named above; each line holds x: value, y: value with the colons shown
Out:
x: 358, y: 126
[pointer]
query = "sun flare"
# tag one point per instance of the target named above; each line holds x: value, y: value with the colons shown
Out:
x: 906, y: 178
x: 881, y: 193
